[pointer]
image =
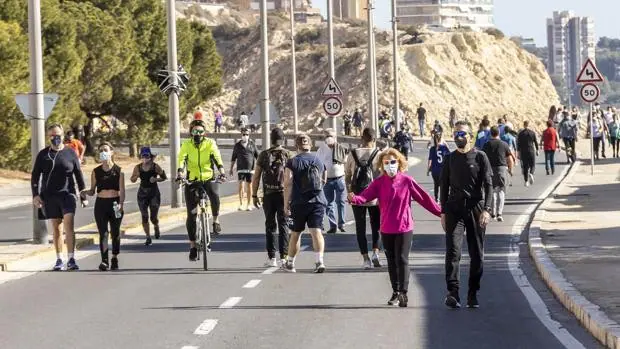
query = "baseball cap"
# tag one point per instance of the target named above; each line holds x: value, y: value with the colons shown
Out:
x: 146, y: 152
x: 303, y: 142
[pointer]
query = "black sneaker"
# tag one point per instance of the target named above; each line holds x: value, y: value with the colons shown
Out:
x: 114, y: 264
x: 472, y: 300
x: 103, y: 266
x: 148, y: 241
x: 332, y: 231
x: 402, y: 300
x: 453, y: 300
x: 157, y: 233
x: 394, y: 299
x: 193, y: 254
x: 342, y: 230
x: 217, y: 228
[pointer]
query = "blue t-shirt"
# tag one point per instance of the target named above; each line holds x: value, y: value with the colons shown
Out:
x: 437, y: 157
x: 298, y: 166
x: 510, y: 140
x: 482, y: 138
x: 501, y: 128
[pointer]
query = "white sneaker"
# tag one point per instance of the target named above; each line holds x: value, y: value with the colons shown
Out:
x: 249, y: 208
x: 367, y: 264
x: 271, y: 262
x: 282, y: 262
x: 531, y: 177
x: 375, y: 260
x: 527, y: 184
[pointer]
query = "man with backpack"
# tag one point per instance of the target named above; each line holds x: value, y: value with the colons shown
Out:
x: 359, y: 173
x: 403, y: 140
x: 304, y: 201
x: 270, y: 167
x: 333, y: 155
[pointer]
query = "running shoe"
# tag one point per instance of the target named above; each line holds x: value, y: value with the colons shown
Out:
x: 452, y: 300
x: 375, y: 260
x: 217, y: 228
x: 58, y: 266
x: 148, y: 241
x: 193, y: 254
x: 472, y: 300
x: 103, y: 266
x: 367, y: 264
x: 72, y: 265
x: 332, y: 231
x: 271, y: 262
x: 394, y: 299
x: 500, y: 218
x: 342, y: 230
x: 282, y: 262
x: 531, y: 178
x: 249, y: 208
x: 289, y: 267
x: 319, y: 267
x: 157, y: 232
x: 114, y: 264
x: 402, y: 300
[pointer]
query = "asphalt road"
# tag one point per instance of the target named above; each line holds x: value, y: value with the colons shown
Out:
x: 17, y: 221
x: 161, y: 300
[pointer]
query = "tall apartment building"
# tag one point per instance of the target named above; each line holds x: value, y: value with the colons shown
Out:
x: 570, y: 42
x: 280, y: 4
x: 476, y: 14
x: 352, y: 9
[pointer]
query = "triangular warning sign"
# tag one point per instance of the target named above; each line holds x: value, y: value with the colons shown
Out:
x: 332, y: 89
x: 23, y: 102
x: 589, y: 73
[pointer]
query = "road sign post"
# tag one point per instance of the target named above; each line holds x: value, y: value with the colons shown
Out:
x: 332, y: 105
x: 590, y: 93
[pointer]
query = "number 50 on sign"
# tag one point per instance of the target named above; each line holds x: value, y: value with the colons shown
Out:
x: 332, y: 106
x: 590, y: 93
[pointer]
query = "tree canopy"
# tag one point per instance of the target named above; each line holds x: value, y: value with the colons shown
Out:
x: 102, y: 57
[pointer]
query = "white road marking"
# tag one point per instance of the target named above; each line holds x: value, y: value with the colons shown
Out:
x: 16, y: 217
x: 303, y: 248
x: 251, y: 283
x: 537, y: 305
x: 205, y: 327
x: 269, y: 271
x: 230, y: 302
x: 189, y: 347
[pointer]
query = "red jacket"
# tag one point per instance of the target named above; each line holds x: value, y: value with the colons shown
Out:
x: 550, y: 139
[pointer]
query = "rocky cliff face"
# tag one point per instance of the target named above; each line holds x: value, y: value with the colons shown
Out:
x: 476, y: 73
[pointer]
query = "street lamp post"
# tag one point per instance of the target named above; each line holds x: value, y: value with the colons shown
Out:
x: 37, y: 123
x: 264, y: 102
x: 294, y: 69
x: 372, y: 107
x: 173, y: 101
x: 397, y: 118
x: 332, y: 70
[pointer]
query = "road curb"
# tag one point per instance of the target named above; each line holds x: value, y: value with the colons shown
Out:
x: 589, y: 314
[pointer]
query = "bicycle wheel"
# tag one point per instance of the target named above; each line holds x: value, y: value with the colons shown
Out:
x: 199, y: 241
x: 204, y: 238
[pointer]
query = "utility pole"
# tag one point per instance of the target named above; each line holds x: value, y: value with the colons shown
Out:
x: 294, y: 68
x: 173, y: 101
x: 372, y: 107
x: 264, y: 102
x: 397, y: 118
x: 340, y: 10
x: 332, y: 72
x: 37, y: 123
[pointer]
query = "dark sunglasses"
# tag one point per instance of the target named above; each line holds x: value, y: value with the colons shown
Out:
x: 245, y: 134
x: 146, y: 156
x: 198, y: 132
x: 460, y: 134
x: 390, y: 162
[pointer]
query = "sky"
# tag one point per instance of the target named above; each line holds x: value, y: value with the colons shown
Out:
x: 527, y: 18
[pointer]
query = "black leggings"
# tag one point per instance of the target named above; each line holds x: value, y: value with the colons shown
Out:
x: 359, y: 213
x: 436, y: 185
x: 104, y: 216
x: 597, y: 145
x: 615, y: 145
x: 192, y: 200
x: 149, y: 202
x: 397, y: 247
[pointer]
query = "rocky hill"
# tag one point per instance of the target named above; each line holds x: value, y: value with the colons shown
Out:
x: 477, y: 73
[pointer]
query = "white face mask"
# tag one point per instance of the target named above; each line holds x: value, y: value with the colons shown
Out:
x: 245, y: 138
x: 105, y: 156
x: 330, y: 141
x: 390, y: 169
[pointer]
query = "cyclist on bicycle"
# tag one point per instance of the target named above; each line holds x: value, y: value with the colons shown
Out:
x: 199, y: 154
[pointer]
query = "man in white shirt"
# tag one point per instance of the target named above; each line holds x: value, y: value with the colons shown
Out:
x: 334, y: 156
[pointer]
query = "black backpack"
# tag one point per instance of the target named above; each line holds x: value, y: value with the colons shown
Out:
x: 273, y: 174
x: 363, y: 174
x: 311, y: 179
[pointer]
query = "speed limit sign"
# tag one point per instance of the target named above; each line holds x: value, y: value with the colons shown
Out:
x: 332, y: 106
x: 590, y: 93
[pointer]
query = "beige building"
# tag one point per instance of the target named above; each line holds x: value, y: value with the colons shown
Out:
x: 351, y: 9
x: 446, y: 14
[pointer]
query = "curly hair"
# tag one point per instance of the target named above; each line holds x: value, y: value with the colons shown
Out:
x: 402, y: 162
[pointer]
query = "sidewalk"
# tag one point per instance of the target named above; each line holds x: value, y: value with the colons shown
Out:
x: 578, y: 252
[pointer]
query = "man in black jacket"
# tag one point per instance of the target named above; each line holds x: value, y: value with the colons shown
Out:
x: 466, y: 192
x: 244, y: 155
x: 527, y: 150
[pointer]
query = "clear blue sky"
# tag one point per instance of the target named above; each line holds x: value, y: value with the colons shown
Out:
x: 527, y: 18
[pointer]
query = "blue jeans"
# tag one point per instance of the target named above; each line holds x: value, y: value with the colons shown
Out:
x: 421, y: 125
x: 334, y: 191
x: 550, y: 160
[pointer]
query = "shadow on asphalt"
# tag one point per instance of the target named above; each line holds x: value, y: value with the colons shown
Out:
x: 286, y: 307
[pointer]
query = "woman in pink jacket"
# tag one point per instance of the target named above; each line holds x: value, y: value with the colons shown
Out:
x: 395, y: 190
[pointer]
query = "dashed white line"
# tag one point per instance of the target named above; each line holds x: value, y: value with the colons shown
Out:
x: 189, y: 347
x: 251, y: 283
x: 16, y: 217
x: 205, y: 327
x: 270, y: 270
x: 230, y: 302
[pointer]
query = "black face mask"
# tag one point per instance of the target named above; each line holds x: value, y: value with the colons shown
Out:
x: 197, y: 139
x: 461, y: 143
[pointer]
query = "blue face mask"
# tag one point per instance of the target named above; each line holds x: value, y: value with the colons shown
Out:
x: 56, y: 140
x: 105, y: 156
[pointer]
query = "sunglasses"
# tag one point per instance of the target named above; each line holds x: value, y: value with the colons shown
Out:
x: 460, y: 134
x: 146, y: 156
x: 245, y: 134
x: 198, y: 132
x: 390, y: 162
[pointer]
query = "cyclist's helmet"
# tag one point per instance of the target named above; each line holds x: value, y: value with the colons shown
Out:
x: 197, y: 123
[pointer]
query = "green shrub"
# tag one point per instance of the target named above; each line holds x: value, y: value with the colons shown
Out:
x: 498, y: 34
x: 307, y: 35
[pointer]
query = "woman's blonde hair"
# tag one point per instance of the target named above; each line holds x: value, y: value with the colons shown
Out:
x: 402, y: 162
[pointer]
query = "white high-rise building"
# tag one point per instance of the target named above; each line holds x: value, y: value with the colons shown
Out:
x: 570, y: 42
x: 476, y: 14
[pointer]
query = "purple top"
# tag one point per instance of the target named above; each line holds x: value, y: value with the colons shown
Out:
x: 394, y: 196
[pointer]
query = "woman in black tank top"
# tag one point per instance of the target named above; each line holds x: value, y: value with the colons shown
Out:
x: 149, y: 198
x: 109, y: 183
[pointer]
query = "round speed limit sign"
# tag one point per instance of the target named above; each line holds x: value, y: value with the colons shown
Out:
x: 332, y: 106
x: 590, y: 93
